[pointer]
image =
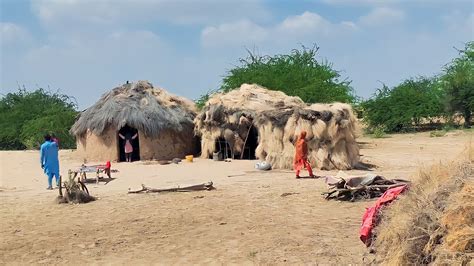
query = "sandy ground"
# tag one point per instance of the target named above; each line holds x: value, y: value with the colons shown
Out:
x: 244, y: 221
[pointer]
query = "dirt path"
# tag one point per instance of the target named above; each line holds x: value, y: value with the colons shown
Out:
x: 245, y: 221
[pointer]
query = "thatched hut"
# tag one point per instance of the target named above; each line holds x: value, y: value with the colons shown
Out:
x: 164, y: 124
x: 254, y: 122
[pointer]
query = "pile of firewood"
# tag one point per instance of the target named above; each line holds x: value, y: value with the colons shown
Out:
x: 76, y: 191
x: 359, y: 188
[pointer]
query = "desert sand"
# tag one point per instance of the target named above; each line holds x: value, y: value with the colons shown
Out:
x: 246, y: 220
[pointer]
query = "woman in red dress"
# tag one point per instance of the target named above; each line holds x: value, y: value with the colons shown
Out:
x: 301, y: 156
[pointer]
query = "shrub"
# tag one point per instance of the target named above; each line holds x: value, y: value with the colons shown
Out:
x: 296, y: 74
x: 26, y: 116
x: 406, y: 106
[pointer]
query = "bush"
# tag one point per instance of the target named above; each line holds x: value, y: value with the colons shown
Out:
x: 379, y: 132
x: 26, y: 116
x: 437, y: 133
x: 406, y: 106
x: 458, y: 81
x: 296, y: 74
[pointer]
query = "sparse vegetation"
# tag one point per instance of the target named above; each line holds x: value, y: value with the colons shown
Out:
x: 379, y: 132
x: 296, y: 74
x: 438, y: 133
x: 458, y: 81
x: 26, y: 116
x: 406, y: 106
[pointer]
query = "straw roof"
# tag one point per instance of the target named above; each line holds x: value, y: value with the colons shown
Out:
x: 279, y: 119
x: 254, y: 97
x: 139, y: 105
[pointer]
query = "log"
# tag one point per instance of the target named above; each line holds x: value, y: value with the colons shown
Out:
x: 200, y: 187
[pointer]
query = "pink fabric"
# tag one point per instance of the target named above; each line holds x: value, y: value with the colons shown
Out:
x: 370, y: 215
x: 128, y: 147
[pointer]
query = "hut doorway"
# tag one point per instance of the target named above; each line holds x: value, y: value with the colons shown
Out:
x: 223, y: 148
x: 128, y: 133
x: 248, y: 152
x: 250, y: 145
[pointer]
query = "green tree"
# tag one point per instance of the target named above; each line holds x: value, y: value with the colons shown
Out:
x: 26, y: 116
x: 458, y: 81
x: 405, y: 106
x: 296, y: 74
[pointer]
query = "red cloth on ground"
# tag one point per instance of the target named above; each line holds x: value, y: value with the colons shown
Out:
x: 370, y: 215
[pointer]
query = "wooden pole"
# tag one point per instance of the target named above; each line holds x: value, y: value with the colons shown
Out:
x: 60, y: 186
x: 245, y: 141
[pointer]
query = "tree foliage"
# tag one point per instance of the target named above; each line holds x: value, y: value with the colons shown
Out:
x: 296, y: 74
x: 405, y: 106
x: 458, y: 81
x: 26, y: 116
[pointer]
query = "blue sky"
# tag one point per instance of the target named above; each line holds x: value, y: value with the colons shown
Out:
x: 86, y: 47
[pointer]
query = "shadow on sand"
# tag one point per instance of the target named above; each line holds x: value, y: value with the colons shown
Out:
x: 101, y: 180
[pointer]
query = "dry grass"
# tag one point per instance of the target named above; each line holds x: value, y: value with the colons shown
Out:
x: 149, y: 109
x: 279, y: 119
x: 434, y: 221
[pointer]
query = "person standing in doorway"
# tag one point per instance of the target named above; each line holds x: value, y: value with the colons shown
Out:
x: 49, y: 160
x: 128, y: 146
x: 300, y: 160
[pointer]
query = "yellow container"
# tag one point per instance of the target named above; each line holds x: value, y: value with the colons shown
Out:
x: 189, y: 158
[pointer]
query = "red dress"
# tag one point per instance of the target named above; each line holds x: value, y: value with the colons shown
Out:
x: 301, y: 155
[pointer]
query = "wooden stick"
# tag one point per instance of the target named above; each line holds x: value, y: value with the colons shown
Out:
x: 204, y: 186
x: 243, y: 147
x: 60, y: 186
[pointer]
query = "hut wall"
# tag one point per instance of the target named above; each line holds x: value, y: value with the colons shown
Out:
x: 331, y: 142
x: 168, y: 145
x: 101, y: 148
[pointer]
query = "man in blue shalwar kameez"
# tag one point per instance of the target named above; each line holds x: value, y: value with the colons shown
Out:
x: 50, y: 160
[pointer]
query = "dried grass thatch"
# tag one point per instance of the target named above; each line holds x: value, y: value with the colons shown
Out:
x: 138, y: 105
x: 434, y: 221
x: 279, y: 119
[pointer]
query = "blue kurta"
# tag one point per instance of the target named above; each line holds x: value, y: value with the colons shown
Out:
x: 49, y: 157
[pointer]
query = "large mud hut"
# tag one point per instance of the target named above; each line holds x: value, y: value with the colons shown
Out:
x: 254, y: 122
x: 163, y: 123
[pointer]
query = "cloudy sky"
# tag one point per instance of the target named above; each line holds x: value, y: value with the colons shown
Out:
x: 86, y: 47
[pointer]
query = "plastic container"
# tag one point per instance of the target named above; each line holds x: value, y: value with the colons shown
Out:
x: 189, y: 158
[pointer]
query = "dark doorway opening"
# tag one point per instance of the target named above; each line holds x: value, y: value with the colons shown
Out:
x: 197, y: 146
x: 223, y: 147
x: 248, y: 152
x: 250, y: 145
x: 128, y: 132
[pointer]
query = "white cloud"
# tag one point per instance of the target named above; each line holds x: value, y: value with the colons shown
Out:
x: 62, y: 14
x: 459, y: 21
x: 304, y: 27
x: 11, y: 33
x: 391, y: 2
x: 382, y: 16
x: 243, y: 31
x: 359, y: 2
x: 306, y: 22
